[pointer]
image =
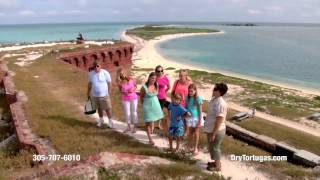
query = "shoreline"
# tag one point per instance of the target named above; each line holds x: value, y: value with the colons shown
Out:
x: 148, y: 50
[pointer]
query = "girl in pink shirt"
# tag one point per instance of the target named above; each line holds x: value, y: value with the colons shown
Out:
x: 127, y: 88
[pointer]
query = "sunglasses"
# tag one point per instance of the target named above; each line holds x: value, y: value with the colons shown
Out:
x: 97, y: 65
x: 159, y: 71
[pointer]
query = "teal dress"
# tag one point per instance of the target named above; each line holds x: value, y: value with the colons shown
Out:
x: 151, y: 107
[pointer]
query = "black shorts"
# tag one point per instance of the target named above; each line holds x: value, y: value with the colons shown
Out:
x: 164, y: 103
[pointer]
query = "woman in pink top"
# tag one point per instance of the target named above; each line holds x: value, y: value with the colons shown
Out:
x: 181, y: 86
x: 127, y: 88
x: 164, y: 86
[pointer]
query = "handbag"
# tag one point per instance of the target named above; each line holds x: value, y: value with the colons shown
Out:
x: 89, y: 108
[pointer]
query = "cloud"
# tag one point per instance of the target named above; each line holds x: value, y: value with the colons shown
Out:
x: 148, y: 1
x: 136, y: 10
x: 273, y: 8
x: 83, y: 2
x: 27, y: 13
x: 253, y: 11
x: 115, y: 11
x: 8, y: 3
x: 74, y: 12
x: 51, y: 13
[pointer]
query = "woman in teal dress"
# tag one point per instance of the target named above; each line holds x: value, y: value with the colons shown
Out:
x: 151, y: 107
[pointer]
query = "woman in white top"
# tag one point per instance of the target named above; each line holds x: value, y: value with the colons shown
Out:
x: 215, y: 126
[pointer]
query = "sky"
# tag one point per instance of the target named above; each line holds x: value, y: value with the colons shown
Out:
x: 65, y: 11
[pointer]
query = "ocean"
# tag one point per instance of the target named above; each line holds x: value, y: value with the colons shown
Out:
x: 288, y: 54
x: 283, y: 53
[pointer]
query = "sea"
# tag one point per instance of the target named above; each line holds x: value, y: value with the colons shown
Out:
x: 281, y: 53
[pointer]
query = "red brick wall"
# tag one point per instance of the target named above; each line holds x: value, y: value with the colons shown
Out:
x: 20, y: 123
x: 110, y: 57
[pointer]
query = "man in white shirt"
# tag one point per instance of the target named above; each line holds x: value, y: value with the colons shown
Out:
x: 215, y: 125
x: 99, y: 89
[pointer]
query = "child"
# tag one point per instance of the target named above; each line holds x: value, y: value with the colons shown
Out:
x: 127, y: 87
x: 176, y: 116
x: 194, y: 106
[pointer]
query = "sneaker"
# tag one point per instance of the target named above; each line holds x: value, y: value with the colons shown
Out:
x: 134, y: 130
x: 99, y: 124
x: 110, y: 124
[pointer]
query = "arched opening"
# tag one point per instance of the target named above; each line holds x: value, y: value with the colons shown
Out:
x: 84, y: 60
x: 125, y: 53
x: 116, y: 63
x: 131, y: 50
x: 103, y: 57
x: 119, y: 54
x: 94, y: 57
x: 110, y: 56
x: 76, y: 60
x: 67, y: 61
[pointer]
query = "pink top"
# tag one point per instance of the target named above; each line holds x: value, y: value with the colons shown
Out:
x: 182, y: 89
x: 125, y: 90
x: 163, y: 83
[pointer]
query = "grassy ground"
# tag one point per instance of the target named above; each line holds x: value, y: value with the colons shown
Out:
x: 54, y: 109
x: 149, y: 32
x: 293, y: 137
x: 264, y: 97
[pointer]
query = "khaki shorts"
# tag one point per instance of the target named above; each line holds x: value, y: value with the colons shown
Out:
x: 103, y: 103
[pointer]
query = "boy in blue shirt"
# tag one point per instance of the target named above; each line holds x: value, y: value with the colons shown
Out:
x: 176, y: 115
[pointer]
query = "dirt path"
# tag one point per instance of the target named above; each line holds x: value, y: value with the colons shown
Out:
x: 232, y: 169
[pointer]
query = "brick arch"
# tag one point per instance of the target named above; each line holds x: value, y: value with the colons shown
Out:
x: 125, y: 52
x: 119, y: 54
x: 103, y: 56
x: 94, y: 57
x: 76, y: 61
x: 85, y: 61
x: 110, y: 54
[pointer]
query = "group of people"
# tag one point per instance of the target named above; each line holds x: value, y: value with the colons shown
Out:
x: 184, y: 110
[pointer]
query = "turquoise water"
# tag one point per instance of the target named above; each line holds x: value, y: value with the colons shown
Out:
x: 283, y: 54
x: 54, y: 32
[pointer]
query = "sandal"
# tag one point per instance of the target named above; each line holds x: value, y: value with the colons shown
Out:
x: 195, y: 153
x: 126, y: 130
x: 151, y: 143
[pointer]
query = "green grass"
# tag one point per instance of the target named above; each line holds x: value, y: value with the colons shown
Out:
x: 150, y: 32
x: 293, y: 137
x: 264, y: 97
x: 171, y: 171
x: 54, y: 111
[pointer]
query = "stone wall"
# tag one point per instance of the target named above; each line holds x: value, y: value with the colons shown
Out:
x: 14, y: 101
x: 278, y: 148
x: 110, y: 57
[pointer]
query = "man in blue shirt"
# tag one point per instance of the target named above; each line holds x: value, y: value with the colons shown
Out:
x: 99, y: 89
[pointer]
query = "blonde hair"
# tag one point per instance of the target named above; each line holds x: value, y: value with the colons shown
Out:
x: 121, y: 75
x: 177, y: 97
x: 184, y: 72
